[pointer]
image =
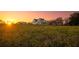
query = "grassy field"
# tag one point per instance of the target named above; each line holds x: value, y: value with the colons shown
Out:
x: 39, y: 36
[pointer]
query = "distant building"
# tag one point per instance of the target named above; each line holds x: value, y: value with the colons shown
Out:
x: 66, y: 22
x: 39, y: 21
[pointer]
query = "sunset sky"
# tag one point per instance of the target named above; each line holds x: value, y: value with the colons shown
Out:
x: 28, y: 16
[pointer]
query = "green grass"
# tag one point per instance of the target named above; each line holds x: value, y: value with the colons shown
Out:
x: 39, y: 36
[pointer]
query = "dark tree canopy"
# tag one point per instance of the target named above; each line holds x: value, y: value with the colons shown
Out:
x: 74, y: 19
x: 1, y: 21
x: 21, y: 23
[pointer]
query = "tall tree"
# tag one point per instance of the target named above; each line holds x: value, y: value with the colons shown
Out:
x: 74, y: 19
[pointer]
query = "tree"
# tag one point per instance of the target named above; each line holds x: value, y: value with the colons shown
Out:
x: 21, y: 23
x: 2, y: 22
x: 57, y: 22
x: 74, y: 19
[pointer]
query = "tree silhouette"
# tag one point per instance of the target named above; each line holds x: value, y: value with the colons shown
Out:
x: 22, y: 23
x: 2, y: 22
x: 57, y: 22
x: 74, y: 19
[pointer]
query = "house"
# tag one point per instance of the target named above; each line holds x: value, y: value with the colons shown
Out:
x: 39, y: 21
x: 66, y: 22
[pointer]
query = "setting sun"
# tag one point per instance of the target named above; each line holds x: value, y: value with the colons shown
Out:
x: 10, y: 21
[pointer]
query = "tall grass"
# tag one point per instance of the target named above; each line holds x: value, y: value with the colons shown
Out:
x: 39, y: 36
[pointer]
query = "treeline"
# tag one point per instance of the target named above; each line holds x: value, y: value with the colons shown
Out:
x: 72, y: 20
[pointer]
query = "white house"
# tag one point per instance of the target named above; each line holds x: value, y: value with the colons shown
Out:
x: 66, y: 21
x: 39, y: 21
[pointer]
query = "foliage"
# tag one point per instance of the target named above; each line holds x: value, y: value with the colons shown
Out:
x: 74, y: 19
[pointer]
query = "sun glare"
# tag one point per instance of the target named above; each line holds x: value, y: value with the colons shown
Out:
x: 9, y: 21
